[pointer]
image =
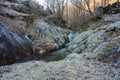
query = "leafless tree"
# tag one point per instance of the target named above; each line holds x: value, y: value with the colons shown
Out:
x: 56, y: 6
x: 77, y: 12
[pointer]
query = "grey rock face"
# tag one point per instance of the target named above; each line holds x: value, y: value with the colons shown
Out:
x: 13, y: 46
x: 98, y: 12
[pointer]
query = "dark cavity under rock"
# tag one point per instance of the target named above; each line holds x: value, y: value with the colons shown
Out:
x: 28, y: 58
x: 13, y: 47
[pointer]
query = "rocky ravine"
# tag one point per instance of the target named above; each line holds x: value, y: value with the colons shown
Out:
x: 88, y: 50
x: 89, y: 55
x: 24, y: 24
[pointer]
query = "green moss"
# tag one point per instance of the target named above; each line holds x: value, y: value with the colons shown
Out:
x: 88, y: 25
x: 84, y: 27
x: 57, y: 21
x: 49, y: 37
x: 108, y: 49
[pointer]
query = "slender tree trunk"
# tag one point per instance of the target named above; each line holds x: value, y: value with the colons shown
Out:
x: 88, y: 5
x: 102, y: 2
x: 67, y: 7
x: 63, y: 7
x: 94, y: 2
x: 107, y: 2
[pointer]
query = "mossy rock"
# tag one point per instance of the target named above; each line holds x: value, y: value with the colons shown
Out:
x: 84, y: 27
x: 104, y: 53
x: 49, y: 38
x: 109, y: 49
x: 87, y: 26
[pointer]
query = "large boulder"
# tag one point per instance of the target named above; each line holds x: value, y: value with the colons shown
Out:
x: 112, y: 17
x: 11, y: 12
x: 98, y: 12
x: 50, y: 37
x: 112, y: 9
x: 17, y: 6
x: 13, y: 46
x: 99, y: 44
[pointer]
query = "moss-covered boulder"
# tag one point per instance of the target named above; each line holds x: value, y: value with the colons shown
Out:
x: 13, y: 46
x: 98, y: 44
x: 50, y: 37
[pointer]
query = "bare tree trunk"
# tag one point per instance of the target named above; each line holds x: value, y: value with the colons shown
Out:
x: 94, y: 2
x: 102, y: 2
x: 107, y: 2
x: 67, y: 10
x: 88, y: 5
x: 62, y: 8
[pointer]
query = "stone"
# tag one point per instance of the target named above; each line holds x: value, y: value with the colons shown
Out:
x: 11, y: 12
x: 13, y: 46
x: 78, y: 41
x: 70, y: 37
x: 50, y: 46
x: 98, y: 12
x: 99, y: 44
x: 50, y: 34
x: 17, y: 6
x: 48, y: 38
x: 112, y: 9
x: 59, y: 52
x: 112, y: 17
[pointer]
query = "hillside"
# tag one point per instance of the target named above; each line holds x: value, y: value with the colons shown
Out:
x: 35, y: 45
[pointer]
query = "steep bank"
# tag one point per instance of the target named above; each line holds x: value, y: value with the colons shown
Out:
x: 25, y: 18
